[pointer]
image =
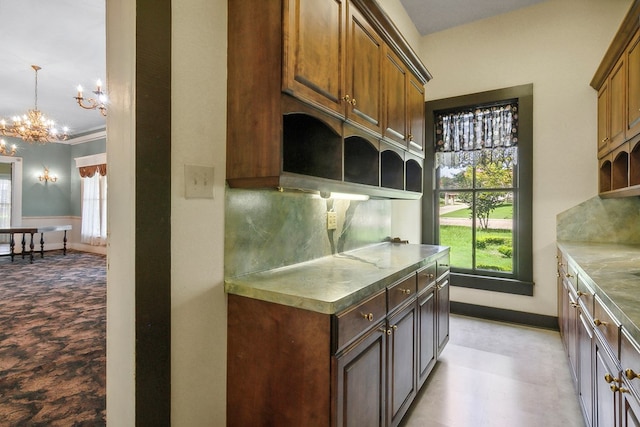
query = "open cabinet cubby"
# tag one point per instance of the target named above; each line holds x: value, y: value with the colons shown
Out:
x: 620, y: 171
x: 350, y: 159
x: 634, y: 165
x: 392, y: 167
x: 309, y: 147
x: 361, y: 161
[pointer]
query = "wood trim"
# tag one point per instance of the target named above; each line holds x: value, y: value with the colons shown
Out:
x: 153, y: 213
x: 503, y: 315
x: 630, y: 24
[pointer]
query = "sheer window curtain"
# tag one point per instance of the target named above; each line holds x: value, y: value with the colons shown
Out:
x: 94, y: 209
x: 5, y: 205
x: 467, y: 137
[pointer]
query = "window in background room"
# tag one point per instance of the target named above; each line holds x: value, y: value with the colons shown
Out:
x: 482, y: 189
x: 5, y: 195
x: 94, y: 210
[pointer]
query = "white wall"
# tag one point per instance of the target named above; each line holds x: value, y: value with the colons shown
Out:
x: 556, y: 45
x: 121, y: 15
x: 199, y: 314
x: 198, y: 324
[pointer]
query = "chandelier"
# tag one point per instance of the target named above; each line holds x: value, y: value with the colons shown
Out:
x: 91, y: 103
x: 33, y: 126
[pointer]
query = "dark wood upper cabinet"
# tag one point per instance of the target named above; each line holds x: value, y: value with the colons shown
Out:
x: 314, y: 51
x: 363, y: 99
x: 329, y: 60
x: 617, y: 81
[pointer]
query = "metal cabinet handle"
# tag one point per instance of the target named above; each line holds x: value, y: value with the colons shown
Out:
x: 368, y: 316
x: 630, y: 374
x: 599, y: 322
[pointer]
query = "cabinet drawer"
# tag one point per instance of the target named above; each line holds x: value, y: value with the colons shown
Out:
x: 426, y: 277
x: 356, y: 320
x: 586, y: 298
x: 607, y: 326
x: 401, y: 291
x: 442, y: 266
x: 630, y: 361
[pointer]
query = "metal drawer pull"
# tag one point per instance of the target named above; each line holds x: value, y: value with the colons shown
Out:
x: 385, y: 331
x: 598, y: 322
x: 568, y: 275
x: 405, y: 291
x: 630, y: 374
x: 610, y: 378
x: 368, y: 316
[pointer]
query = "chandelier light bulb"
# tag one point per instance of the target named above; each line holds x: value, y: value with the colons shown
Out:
x: 99, y: 104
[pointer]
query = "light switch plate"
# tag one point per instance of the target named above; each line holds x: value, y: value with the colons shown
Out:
x: 198, y: 182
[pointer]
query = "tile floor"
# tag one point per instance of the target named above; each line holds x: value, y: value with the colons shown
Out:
x: 494, y: 374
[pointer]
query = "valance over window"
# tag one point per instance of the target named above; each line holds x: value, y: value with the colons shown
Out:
x: 89, y: 171
x: 482, y: 134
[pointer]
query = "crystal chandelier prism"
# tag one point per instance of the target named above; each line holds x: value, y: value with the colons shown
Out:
x: 33, y: 126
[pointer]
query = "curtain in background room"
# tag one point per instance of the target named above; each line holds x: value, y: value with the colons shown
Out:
x: 5, y: 205
x: 94, y: 209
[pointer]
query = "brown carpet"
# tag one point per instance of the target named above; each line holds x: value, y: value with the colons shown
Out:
x: 53, y: 340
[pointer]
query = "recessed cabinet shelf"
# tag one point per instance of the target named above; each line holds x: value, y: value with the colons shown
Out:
x: 620, y: 171
x: 392, y: 170
x: 310, y: 148
x: 361, y: 161
x: 414, y: 176
x: 619, y: 174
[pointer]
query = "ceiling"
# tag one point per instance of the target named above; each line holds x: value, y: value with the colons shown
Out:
x: 430, y: 16
x: 64, y: 37
x: 67, y: 39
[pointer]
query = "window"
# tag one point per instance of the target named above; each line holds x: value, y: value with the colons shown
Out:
x: 94, y: 210
x: 481, y: 184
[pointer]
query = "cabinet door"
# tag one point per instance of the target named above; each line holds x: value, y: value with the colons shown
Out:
x: 442, y: 300
x: 395, y: 103
x: 572, y: 335
x: 585, y: 366
x: 364, y: 73
x: 606, y: 375
x: 633, y: 87
x: 617, y: 88
x: 314, y: 46
x: 415, y: 114
x: 426, y: 335
x: 401, y: 362
x: 361, y: 383
x: 603, y: 120
x: 630, y: 410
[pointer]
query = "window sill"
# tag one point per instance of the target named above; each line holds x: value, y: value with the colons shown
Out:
x: 494, y: 284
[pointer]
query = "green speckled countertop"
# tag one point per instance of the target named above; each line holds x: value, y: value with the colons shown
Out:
x: 613, y: 270
x: 333, y: 283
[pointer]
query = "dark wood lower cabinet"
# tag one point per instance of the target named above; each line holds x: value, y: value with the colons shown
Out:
x: 361, y: 367
x: 426, y: 332
x: 606, y: 399
x: 630, y: 409
x: 442, y: 298
x: 401, y: 360
x: 361, y: 387
x: 585, y: 366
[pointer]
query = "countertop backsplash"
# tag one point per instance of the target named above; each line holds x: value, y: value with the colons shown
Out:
x: 600, y: 220
x: 266, y: 229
